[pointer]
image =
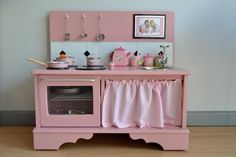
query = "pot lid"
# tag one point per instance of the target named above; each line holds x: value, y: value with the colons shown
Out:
x: 87, y: 53
x: 93, y: 57
x: 119, y: 49
x: 148, y: 56
x: 57, y: 62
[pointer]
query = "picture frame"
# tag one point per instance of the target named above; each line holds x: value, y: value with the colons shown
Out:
x: 149, y: 26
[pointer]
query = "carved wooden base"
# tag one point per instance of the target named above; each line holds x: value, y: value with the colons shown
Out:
x: 48, y: 141
x: 167, y: 141
x: 53, y: 138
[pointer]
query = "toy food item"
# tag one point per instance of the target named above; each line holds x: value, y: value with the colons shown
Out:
x: 71, y: 61
x: 62, y: 55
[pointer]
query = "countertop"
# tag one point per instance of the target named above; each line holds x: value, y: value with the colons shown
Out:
x: 127, y: 70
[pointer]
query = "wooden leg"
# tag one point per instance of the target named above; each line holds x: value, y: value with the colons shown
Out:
x: 168, y: 141
x: 49, y: 141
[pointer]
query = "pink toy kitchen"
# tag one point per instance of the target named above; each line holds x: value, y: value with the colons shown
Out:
x: 111, y: 73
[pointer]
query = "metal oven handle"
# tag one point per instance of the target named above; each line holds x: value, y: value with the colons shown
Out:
x: 70, y: 80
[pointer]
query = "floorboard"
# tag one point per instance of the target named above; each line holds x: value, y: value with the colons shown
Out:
x: 204, y: 142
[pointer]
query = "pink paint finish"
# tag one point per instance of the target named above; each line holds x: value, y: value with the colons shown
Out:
x: 167, y: 141
x: 120, y: 57
x: 117, y: 26
x: 69, y: 120
x: 52, y: 131
x: 169, y: 137
x: 53, y: 141
x: 141, y: 103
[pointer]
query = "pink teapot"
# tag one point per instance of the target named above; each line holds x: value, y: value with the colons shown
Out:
x: 120, y: 57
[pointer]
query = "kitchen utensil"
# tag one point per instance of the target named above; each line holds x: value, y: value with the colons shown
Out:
x: 92, y: 60
x: 37, y: 61
x: 67, y: 34
x: 148, y: 68
x: 120, y: 57
x: 91, y: 68
x: 161, y: 60
x: 136, y: 60
x: 83, y: 34
x: 148, y: 60
x: 111, y: 65
x: 52, y: 64
x: 69, y: 59
x: 100, y: 36
x: 164, y: 48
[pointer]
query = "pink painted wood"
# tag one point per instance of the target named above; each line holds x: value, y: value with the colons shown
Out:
x: 69, y: 120
x: 117, y: 26
x: 168, y: 141
x: 50, y: 137
x: 117, y: 71
x: 169, y: 137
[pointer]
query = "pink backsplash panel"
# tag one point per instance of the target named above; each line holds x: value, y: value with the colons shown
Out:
x: 117, y: 26
x: 161, y: 26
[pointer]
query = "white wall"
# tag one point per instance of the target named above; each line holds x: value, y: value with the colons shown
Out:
x: 205, y: 44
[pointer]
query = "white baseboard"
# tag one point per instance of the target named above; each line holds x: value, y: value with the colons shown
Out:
x: 195, y: 118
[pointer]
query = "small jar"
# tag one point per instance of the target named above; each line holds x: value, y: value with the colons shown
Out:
x: 111, y: 65
x: 148, y: 60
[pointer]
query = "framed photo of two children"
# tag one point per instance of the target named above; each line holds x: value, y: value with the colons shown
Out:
x: 149, y: 26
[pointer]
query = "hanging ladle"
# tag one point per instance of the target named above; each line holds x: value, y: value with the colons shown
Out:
x: 83, y: 34
x: 100, y: 36
x: 67, y: 34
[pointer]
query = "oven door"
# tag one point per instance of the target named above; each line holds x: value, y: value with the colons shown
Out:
x: 70, y: 102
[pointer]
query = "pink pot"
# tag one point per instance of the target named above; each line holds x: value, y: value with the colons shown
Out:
x: 93, y: 61
x: 57, y: 64
x: 70, y: 60
x: 52, y: 64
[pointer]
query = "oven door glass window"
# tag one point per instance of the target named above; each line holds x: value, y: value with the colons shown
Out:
x: 71, y: 100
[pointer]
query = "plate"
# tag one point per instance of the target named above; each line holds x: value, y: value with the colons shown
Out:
x: 148, y: 68
x: 151, y: 68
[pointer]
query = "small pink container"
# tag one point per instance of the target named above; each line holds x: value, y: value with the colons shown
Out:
x: 134, y: 61
x: 111, y: 65
x: 148, y: 60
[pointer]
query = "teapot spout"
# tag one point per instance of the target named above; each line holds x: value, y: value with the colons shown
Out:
x: 128, y: 54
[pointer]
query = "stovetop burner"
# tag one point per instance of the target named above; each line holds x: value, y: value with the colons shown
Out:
x: 90, y: 67
x: 49, y: 68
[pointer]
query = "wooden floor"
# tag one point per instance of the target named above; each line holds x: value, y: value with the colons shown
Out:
x: 16, y: 141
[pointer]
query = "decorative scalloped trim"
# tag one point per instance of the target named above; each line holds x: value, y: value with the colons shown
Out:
x: 43, y: 140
